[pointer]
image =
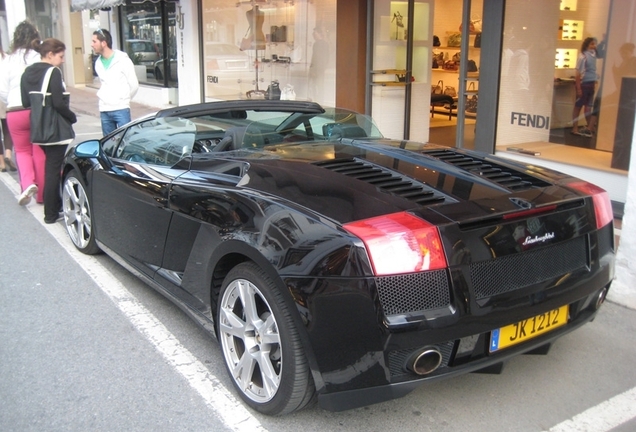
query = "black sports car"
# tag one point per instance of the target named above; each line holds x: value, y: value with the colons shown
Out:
x: 332, y: 263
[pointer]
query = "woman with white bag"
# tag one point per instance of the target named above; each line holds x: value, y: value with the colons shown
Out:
x: 29, y: 158
x: 45, y: 79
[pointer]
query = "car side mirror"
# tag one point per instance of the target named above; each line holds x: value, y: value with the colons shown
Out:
x: 87, y: 149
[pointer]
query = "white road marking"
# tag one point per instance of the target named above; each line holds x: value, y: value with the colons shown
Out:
x: 229, y: 409
x: 604, y: 416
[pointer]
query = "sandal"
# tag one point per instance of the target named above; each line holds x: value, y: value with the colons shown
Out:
x: 9, y: 164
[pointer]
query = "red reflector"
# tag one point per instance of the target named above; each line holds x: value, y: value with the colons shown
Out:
x: 600, y: 198
x: 526, y: 213
x: 400, y: 243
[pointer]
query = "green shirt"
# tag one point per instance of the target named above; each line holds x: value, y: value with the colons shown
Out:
x: 106, y: 61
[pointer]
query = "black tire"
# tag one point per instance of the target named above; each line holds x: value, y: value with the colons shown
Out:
x: 263, y: 353
x: 78, y: 217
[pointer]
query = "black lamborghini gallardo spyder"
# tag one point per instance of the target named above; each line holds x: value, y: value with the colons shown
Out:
x: 333, y: 264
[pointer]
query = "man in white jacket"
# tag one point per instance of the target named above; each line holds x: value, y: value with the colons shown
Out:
x: 119, y: 82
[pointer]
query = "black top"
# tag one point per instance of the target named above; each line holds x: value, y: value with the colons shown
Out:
x: 32, y: 81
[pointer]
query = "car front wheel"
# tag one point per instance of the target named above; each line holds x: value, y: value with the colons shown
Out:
x: 78, y: 218
x: 261, y: 346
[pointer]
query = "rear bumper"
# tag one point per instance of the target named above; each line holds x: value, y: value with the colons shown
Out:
x: 355, y: 398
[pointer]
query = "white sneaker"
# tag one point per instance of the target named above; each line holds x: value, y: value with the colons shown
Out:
x: 25, y: 196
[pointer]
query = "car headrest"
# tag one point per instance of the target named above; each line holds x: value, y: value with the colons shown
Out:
x: 232, y: 139
x: 342, y: 130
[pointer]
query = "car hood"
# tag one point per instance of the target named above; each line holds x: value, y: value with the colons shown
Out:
x: 358, y: 179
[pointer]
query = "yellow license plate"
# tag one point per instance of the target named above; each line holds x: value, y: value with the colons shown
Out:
x: 528, y: 329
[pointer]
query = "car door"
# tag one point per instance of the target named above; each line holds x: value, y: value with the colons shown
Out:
x: 130, y: 198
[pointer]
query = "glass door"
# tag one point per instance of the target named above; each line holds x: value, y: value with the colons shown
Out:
x: 400, y: 72
x: 455, y: 74
x: 424, y: 83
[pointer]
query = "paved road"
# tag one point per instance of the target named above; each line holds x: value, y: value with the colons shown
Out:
x: 86, y: 346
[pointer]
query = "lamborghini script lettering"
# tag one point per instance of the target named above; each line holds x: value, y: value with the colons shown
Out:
x: 536, y: 239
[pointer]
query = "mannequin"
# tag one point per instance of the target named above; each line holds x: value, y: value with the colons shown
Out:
x: 256, y: 18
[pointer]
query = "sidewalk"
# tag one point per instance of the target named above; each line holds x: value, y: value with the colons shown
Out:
x: 84, y: 101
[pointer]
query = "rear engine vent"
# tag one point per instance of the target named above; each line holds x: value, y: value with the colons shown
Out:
x: 504, y: 176
x: 513, y: 272
x: 385, y: 180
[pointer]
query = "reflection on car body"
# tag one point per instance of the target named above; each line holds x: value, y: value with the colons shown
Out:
x: 334, y: 264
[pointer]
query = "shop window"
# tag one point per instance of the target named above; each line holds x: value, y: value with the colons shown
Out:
x: 252, y: 46
x: 148, y: 36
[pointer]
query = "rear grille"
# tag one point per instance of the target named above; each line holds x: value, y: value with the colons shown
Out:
x: 413, y: 292
x: 385, y: 180
x: 509, y: 273
x: 397, y: 359
x: 504, y: 176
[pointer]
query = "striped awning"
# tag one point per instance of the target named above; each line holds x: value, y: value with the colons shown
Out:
x: 80, y: 5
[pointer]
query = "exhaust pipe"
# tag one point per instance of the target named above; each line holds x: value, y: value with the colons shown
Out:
x: 600, y: 298
x: 425, y: 361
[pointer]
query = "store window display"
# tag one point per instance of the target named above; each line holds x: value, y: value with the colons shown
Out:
x: 269, y: 45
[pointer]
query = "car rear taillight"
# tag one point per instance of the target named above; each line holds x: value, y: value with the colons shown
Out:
x: 601, y: 200
x: 400, y: 243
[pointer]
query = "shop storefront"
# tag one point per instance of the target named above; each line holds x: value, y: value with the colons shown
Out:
x: 148, y: 32
x: 513, y: 94
x: 495, y: 76
x: 286, y: 47
x: 537, y: 112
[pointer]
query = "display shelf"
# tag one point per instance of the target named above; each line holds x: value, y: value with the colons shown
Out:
x: 470, y: 76
x: 455, y: 48
x: 394, y: 72
x: 571, y: 30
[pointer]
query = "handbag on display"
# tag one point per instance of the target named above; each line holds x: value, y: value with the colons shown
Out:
x: 436, y: 41
x: 273, y: 91
x: 288, y: 93
x: 472, y: 66
x: 439, y: 88
x: 451, y: 65
x: 450, y: 91
x: 47, y: 125
x: 471, y: 102
x: 478, y: 40
x: 455, y: 40
x: 246, y: 42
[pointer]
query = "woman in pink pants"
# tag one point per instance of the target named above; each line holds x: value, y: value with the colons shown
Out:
x: 30, y: 159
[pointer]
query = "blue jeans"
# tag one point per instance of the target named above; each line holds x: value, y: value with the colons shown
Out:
x: 111, y: 120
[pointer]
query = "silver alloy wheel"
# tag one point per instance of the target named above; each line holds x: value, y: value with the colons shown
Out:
x: 250, y: 340
x: 77, y: 213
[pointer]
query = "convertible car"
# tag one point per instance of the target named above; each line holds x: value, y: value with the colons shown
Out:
x: 333, y: 264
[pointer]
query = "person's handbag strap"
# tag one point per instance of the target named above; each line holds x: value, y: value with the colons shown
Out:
x: 45, y: 83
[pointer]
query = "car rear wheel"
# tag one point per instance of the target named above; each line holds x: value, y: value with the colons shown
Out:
x: 78, y: 218
x: 261, y: 346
